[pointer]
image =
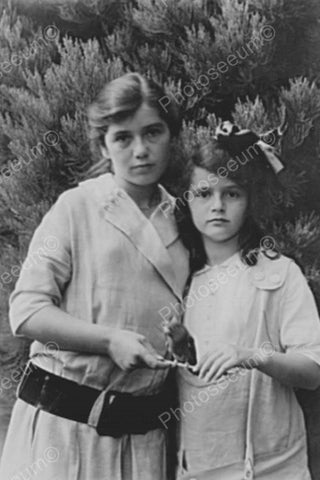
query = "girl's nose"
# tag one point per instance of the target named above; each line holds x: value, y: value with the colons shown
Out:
x: 140, y: 150
x: 217, y: 203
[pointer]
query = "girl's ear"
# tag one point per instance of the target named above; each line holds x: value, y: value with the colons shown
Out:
x: 106, y: 158
x: 105, y: 162
x: 104, y: 148
x: 105, y: 152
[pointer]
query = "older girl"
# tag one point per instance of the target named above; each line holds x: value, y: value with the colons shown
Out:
x: 101, y: 265
x: 247, y: 307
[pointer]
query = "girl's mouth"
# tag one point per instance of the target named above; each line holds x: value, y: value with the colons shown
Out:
x: 143, y: 167
x: 218, y: 220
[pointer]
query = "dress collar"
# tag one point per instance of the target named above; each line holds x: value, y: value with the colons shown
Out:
x: 104, y: 189
x: 234, y: 260
x: 151, y: 235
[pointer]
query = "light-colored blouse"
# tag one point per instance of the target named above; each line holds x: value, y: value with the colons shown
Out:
x: 97, y: 257
x: 249, y: 425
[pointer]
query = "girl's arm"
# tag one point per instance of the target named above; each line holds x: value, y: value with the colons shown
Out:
x: 45, y: 274
x: 291, y: 369
x: 298, y: 364
x: 127, y: 349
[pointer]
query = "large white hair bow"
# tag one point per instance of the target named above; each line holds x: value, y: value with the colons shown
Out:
x: 265, y: 142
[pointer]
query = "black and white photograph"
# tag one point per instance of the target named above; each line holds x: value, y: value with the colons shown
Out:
x: 159, y: 240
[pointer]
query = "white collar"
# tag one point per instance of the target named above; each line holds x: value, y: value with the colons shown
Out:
x: 234, y: 260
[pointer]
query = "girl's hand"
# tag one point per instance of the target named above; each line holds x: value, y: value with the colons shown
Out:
x: 223, y: 357
x: 131, y: 350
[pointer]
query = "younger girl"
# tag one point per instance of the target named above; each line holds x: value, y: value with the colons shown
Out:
x: 247, y: 307
x: 100, y: 267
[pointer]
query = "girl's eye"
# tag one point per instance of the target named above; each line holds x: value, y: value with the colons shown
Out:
x: 153, y: 133
x: 205, y: 194
x: 122, y: 139
x: 233, y: 194
x: 202, y: 194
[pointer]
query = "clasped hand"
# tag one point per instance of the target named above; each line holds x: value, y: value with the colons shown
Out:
x: 222, y: 357
x: 131, y: 350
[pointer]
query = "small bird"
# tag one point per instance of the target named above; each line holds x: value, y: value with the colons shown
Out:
x: 180, y: 343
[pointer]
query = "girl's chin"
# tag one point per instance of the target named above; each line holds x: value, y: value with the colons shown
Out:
x: 219, y: 237
x: 145, y: 177
x: 141, y: 180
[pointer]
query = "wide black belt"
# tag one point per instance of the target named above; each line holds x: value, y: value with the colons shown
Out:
x: 122, y: 413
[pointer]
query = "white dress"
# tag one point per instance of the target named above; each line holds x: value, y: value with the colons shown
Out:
x: 98, y: 258
x: 249, y: 426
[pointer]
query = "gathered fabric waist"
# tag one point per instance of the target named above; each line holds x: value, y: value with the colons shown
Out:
x: 96, y: 371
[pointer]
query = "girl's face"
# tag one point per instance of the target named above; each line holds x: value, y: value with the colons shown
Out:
x: 218, y: 206
x: 139, y: 147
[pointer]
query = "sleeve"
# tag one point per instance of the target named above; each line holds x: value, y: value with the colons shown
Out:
x: 46, y: 269
x: 299, y: 318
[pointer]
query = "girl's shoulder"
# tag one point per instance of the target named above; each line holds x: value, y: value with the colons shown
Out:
x: 271, y: 272
x: 94, y: 190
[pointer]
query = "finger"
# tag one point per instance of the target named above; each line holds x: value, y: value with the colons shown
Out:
x: 209, y: 357
x: 218, y: 371
x: 224, y: 368
x: 151, y: 361
x: 211, y: 362
x: 148, y: 360
x: 172, y: 363
x: 164, y: 364
x: 160, y: 361
x: 202, y: 360
x: 213, y: 368
x: 210, y: 371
